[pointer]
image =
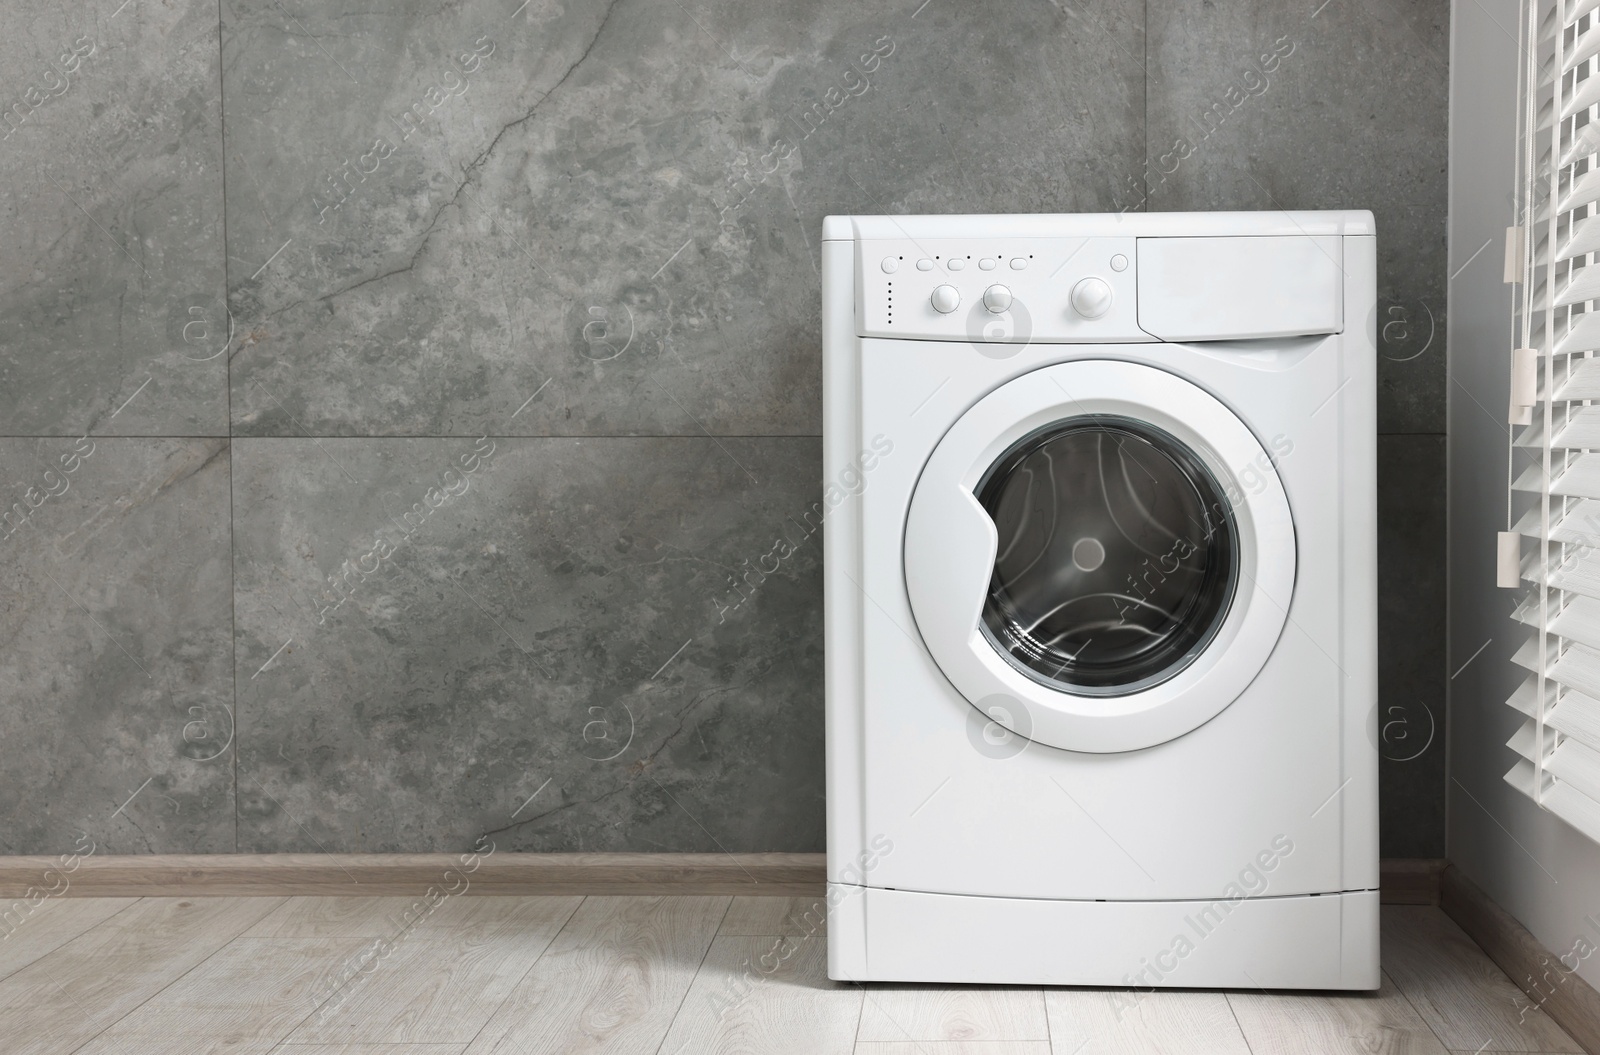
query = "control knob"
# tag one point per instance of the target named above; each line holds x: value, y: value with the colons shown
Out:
x: 1091, y: 298
x: 997, y: 299
x: 946, y: 299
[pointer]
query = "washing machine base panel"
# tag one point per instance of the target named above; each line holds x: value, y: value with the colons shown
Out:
x: 1327, y: 941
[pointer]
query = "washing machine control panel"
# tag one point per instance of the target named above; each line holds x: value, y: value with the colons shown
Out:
x: 999, y: 290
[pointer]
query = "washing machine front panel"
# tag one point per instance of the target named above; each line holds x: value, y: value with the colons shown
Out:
x: 1118, y: 555
x: 1117, y: 611
x: 970, y: 807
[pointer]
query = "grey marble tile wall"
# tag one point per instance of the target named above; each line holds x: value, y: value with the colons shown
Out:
x: 434, y: 376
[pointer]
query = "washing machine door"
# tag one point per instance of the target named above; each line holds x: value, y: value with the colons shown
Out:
x: 1100, y: 556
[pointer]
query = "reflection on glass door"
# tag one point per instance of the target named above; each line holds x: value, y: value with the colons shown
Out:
x: 1118, y: 555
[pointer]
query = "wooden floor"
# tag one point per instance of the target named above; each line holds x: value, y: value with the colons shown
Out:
x: 652, y: 976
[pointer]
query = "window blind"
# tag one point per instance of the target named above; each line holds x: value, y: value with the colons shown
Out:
x: 1551, y: 550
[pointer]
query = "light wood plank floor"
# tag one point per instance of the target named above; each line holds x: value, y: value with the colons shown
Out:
x: 654, y: 976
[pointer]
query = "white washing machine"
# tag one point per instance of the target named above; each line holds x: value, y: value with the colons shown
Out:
x: 1100, y: 535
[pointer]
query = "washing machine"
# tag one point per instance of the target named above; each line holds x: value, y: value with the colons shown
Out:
x: 1100, y: 562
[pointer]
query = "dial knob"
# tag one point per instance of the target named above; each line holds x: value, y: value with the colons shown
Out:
x: 946, y: 299
x: 1091, y: 298
x: 997, y: 299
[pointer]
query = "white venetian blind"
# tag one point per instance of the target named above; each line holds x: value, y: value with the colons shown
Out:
x: 1552, y: 548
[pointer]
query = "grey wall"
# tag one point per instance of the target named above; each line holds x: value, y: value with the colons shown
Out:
x: 254, y: 320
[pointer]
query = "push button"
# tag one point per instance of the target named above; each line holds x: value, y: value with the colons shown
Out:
x: 891, y: 265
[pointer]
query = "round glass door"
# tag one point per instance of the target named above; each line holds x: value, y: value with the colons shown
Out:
x: 1117, y: 558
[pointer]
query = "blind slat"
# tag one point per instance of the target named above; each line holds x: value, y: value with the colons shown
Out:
x: 1577, y: 809
x: 1584, y: 283
x: 1570, y: 761
x: 1581, y: 479
x: 1584, y: 48
x: 1583, y: 381
x: 1580, y: 524
x: 1578, y: 621
x: 1583, y: 332
x: 1572, y: 714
